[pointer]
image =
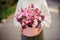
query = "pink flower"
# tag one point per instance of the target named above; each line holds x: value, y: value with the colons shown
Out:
x: 42, y: 17
x: 33, y: 16
x: 36, y: 10
x: 22, y: 10
x: 32, y: 6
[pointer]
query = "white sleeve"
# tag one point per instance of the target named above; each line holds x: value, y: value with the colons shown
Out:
x: 17, y: 24
x: 46, y: 12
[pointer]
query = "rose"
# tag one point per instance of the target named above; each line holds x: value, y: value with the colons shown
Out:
x: 30, y: 16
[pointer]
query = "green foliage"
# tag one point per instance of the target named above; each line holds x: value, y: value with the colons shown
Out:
x: 10, y: 11
x: 7, y: 7
x: 59, y: 9
x: 7, y: 12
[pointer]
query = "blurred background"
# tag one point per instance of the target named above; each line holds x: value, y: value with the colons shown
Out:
x: 8, y: 31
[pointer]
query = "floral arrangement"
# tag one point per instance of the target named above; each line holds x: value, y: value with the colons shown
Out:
x: 30, y: 17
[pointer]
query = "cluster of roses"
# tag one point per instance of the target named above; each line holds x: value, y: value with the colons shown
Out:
x: 30, y: 17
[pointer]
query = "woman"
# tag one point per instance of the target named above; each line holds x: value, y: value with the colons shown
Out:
x: 40, y: 4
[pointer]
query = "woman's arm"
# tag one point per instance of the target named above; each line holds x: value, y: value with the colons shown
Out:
x: 46, y: 12
x: 16, y: 12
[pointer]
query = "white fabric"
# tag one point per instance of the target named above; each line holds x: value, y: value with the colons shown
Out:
x: 41, y: 4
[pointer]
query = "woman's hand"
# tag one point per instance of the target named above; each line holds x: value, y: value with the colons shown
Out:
x: 39, y: 30
x: 21, y: 30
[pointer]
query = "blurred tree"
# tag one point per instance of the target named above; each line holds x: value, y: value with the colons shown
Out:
x: 5, y: 8
x: 59, y: 9
x: 11, y: 2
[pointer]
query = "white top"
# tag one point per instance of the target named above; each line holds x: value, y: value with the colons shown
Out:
x: 40, y: 4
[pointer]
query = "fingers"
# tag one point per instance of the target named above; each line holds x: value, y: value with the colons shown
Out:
x: 21, y: 30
